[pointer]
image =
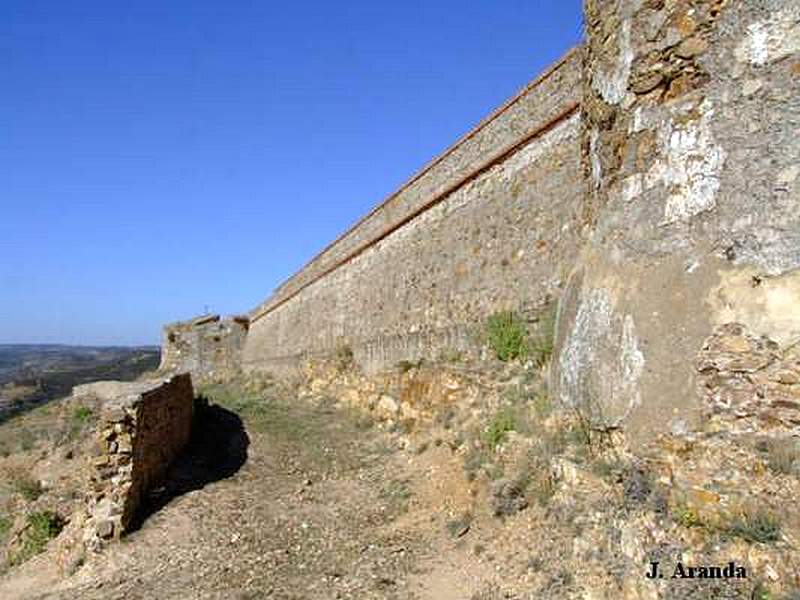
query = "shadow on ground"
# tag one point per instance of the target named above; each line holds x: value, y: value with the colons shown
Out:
x: 216, y: 451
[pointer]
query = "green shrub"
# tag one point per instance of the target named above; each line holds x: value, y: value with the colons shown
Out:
x: 26, y: 439
x: 78, y: 424
x: 502, y: 422
x: 474, y: 460
x: 754, y: 525
x: 5, y: 526
x: 343, y: 357
x: 686, y: 516
x: 540, y: 346
x: 507, y: 336
x: 761, y: 592
x: 82, y: 414
x: 41, y: 528
x: 27, y: 487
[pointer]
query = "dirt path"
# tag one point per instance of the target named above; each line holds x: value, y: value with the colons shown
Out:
x: 324, y: 506
x: 291, y: 496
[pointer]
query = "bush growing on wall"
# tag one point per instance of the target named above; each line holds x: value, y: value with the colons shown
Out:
x: 540, y: 346
x: 508, y: 337
x: 343, y: 356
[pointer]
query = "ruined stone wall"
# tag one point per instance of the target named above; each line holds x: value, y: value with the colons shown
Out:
x: 208, y: 347
x: 142, y: 428
x: 691, y: 157
x: 492, y: 224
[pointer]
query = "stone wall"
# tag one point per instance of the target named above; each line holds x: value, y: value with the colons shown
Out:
x: 649, y: 183
x: 751, y: 382
x: 208, y: 347
x: 691, y: 160
x: 492, y: 224
x: 142, y: 428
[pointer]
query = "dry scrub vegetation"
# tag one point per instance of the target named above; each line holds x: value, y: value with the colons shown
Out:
x: 443, y: 480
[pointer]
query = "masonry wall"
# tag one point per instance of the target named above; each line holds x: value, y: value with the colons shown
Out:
x: 495, y: 223
x: 691, y: 157
x: 142, y: 428
x: 649, y: 184
x: 208, y: 347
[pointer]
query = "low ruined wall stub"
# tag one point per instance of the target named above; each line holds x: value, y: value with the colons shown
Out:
x: 504, y: 240
x: 142, y: 428
x: 691, y: 161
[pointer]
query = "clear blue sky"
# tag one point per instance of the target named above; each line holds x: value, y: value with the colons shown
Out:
x: 162, y: 156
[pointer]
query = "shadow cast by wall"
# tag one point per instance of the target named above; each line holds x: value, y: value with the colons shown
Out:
x: 216, y: 450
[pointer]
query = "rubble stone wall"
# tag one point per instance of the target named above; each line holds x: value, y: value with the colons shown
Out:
x: 142, y: 428
x: 208, y: 347
x: 750, y: 381
x: 691, y: 164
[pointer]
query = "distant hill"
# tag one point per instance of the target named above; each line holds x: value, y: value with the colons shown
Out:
x: 32, y: 374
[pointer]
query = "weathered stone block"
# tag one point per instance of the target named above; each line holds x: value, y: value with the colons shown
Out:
x: 693, y: 232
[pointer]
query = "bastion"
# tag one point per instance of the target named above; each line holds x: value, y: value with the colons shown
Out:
x: 208, y: 347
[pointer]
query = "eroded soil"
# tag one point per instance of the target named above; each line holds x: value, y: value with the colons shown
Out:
x: 326, y: 505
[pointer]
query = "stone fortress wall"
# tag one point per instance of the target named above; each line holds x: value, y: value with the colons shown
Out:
x: 208, y: 347
x: 491, y: 224
x: 691, y: 144
x: 648, y: 184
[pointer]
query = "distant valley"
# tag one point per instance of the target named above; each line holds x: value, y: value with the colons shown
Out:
x: 32, y: 374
